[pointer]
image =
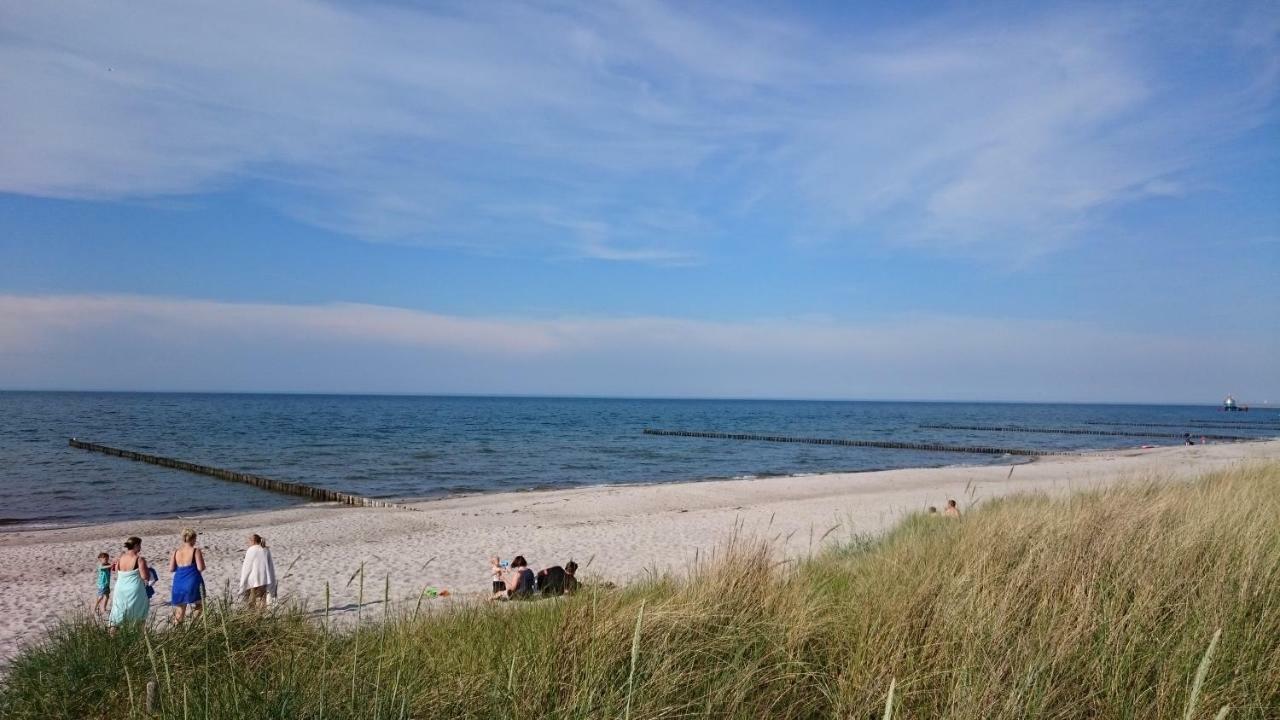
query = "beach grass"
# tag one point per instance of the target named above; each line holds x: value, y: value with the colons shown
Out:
x: 1152, y: 599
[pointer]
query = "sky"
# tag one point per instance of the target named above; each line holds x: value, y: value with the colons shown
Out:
x: 911, y: 200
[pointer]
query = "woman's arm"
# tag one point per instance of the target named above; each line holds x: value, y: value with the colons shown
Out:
x: 245, y: 568
x: 273, y: 583
x: 198, y: 559
x: 143, y: 570
x: 173, y: 561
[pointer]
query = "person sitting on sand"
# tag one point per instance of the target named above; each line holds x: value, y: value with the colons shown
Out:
x: 520, y: 579
x: 187, y: 566
x: 933, y: 511
x: 952, y: 511
x: 257, y: 574
x: 129, y: 602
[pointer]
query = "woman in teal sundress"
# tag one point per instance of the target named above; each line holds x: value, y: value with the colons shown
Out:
x: 129, y: 603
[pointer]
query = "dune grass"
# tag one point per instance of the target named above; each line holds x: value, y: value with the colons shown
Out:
x: 1156, y: 600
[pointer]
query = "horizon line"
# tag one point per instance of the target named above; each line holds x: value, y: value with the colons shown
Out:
x: 1265, y: 405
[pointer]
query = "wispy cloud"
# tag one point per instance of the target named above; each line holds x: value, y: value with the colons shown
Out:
x: 971, y: 133
x: 130, y: 342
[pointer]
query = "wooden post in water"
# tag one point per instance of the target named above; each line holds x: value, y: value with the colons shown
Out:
x: 287, y: 488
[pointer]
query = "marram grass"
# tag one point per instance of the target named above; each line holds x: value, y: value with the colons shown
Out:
x: 1157, y: 600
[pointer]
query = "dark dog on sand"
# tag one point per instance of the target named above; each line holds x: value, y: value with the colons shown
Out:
x: 558, y: 580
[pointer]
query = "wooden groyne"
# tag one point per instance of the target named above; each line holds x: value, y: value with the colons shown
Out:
x: 288, y: 488
x: 885, y: 444
x: 1078, y: 431
x: 1195, y: 424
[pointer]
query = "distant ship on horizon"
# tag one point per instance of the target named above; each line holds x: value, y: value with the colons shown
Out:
x: 1230, y: 405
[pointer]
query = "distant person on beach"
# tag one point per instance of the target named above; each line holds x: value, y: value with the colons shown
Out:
x: 520, y: 579
x: 933, y: 511
x: 187, y: 566
x: 952, y: 511
x: 258, y: 574
x: 129, y: 602
x: 1186, y: 439
x: 103, y: 602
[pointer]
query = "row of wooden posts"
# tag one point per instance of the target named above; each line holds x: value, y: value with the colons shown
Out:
x: 1078, y: 431
x: 887, y: 444
x: 258, y: 481
x: 1225, y: 424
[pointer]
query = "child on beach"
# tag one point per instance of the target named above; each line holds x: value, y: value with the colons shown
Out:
x: 152, y: 577
x: 103, y: 603
x: 499, y: 585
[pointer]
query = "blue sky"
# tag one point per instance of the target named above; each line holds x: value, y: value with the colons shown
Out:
x: 912, y: 200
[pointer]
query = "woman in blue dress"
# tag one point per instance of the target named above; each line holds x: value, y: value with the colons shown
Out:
x: 187, y: 566
x: 129, y: 599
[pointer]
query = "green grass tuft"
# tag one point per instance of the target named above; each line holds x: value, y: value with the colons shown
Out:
x: 1149, y: 601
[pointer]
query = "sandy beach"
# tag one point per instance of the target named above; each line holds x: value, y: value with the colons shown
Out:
x: 616, y: 533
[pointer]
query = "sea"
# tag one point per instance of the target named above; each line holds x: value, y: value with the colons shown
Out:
x: 419, y: 447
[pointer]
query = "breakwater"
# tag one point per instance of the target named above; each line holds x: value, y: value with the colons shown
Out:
x: 1078, y: 431
x: 1224, y: 425
x: 885, y: 444
x: 280, y: 486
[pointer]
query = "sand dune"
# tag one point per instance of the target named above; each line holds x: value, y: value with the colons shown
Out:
x: 616, y: 533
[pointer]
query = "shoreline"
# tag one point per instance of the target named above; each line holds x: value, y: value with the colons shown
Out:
x: 22, y: 526
x: 616, y: 533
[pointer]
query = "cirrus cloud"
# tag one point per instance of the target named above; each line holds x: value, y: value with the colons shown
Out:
x: 982, y: 133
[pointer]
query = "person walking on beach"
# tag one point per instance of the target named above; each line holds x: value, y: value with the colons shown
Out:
x: 129, y: 602
x: 257, y: 574
x: 103, y: 602
x: 952, y: 511
x: 187, y: 566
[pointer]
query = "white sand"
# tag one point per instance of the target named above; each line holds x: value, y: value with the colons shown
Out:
x: 616, y: 533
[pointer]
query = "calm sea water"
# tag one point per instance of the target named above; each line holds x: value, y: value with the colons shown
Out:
x: 422, y: 447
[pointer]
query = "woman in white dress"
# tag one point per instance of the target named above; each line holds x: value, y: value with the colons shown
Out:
x: 257, y: 574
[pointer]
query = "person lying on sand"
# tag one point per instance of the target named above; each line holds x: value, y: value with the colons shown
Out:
x: 557, y: 580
